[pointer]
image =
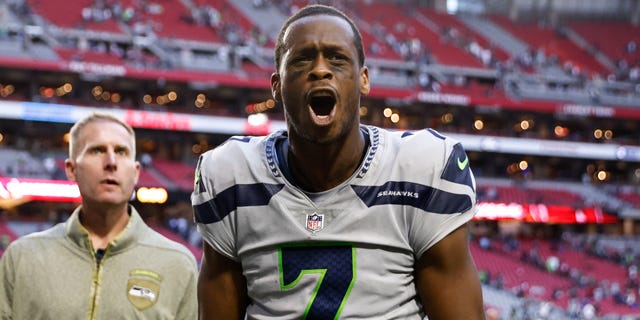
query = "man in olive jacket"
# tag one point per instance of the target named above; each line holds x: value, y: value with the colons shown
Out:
x: 104, y: 262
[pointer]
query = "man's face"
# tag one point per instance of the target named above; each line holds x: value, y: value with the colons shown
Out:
x: 320, y: 81
x: 104, y: 166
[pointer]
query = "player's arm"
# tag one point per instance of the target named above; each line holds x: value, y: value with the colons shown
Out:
x: 447, y: 280
x: 222, y: 289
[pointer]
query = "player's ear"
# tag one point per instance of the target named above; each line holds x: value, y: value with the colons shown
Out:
x: 276, y: 87
x: 365, y: 86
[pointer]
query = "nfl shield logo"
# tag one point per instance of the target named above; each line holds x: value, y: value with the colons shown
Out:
x: 315, y: 222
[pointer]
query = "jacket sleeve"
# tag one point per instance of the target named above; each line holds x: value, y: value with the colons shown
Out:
x: 7, y: 277
x: 188, y: 309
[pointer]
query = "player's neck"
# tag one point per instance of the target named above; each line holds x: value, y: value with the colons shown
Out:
x: 322, y: 167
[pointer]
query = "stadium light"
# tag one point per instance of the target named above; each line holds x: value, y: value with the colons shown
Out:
x: 478, y: 124
x: 6, y: 90
x: 152, y: 195
x: 363, y: 111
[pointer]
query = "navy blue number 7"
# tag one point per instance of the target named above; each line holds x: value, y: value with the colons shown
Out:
x: 336, y: 265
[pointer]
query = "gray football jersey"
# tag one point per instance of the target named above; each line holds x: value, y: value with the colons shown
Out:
x: 346, y: 253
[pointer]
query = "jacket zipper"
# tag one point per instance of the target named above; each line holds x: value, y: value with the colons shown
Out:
x: 95, y: 285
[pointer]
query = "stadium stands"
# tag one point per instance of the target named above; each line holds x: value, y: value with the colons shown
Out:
x: 177, y: 172
x: 555, y: 272
x: 412, y: 39
x: 73, y: 54
x: 5, y: 230
x: 617, y: 40
x: 171, y: 19
x: 517, y: 276
x: 77, y: 14
x: 150, y: 179
x: 554, y: 43
x: 631, y: 197
x: 450, y: 22
x: 197, y: 251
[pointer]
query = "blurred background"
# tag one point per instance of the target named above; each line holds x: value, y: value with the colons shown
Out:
x: 543, y: 94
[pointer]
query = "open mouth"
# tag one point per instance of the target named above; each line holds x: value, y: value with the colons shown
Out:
x: 110, y: 181
x: 322, y: 104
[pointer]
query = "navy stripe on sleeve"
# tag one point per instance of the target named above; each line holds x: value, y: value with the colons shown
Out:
x: 227, y: 201
x: 415, y: 195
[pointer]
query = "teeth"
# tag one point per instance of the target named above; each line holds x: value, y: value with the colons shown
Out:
x: 322, y: 117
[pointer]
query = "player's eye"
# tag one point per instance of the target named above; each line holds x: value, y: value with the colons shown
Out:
x: 300, y: 60
x: 336, y: 56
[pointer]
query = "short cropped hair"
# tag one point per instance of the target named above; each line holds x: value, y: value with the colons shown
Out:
x: 316, y: 10
x: 74, y: 133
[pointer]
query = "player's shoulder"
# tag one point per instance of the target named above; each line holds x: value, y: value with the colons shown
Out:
x: 423, y: 141
x: 441, y: 151
x: 421, y: 136
x: 236, y: 146
x: 235, y: 151
x: 433, y: 149
x: 238, y: 160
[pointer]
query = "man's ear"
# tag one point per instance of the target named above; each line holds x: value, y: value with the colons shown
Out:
x: 276, y: 91
x: 365, y: 86
x: 137, y: 174
x: 70, y: 169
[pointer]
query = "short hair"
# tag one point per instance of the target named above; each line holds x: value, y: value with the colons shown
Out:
x: 316, y: 10
x: 74, y: 133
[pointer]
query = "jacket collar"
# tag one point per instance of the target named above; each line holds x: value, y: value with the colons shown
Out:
x: 127, y: 237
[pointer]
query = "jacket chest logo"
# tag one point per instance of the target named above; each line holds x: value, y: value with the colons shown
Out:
x: 143, y: 288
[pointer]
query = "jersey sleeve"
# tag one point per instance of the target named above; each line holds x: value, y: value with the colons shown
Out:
x: 212, y: 217
x: 452, y: 201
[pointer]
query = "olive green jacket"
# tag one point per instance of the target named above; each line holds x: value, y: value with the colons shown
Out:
x: 54, y: 274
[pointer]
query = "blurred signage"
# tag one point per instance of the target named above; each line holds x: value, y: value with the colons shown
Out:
x: 569, y: 149
x: 587, y: 110
x: 445, y: 98
x: 542, y: 213
x: 236, y: 125
x: 97, y: 68
x: 63, y: 191
x: 47, y: 112
x: 157, y: 120
x: 36, y: 189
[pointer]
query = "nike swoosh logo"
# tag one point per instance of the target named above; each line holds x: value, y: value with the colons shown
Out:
x: 463, y: 164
